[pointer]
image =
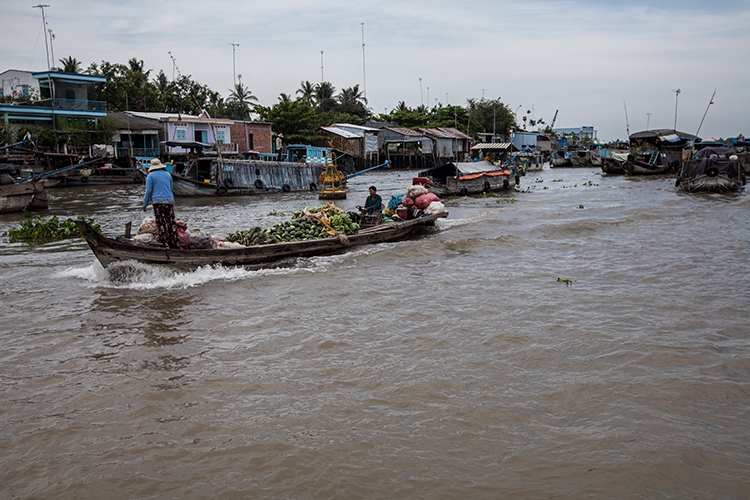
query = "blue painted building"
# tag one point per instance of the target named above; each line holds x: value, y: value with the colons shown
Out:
x: 62, y: 106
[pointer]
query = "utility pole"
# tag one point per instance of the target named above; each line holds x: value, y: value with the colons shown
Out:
x: 676, y: 96
x: 428, y: 96
x: 648, y: 120
x: 234, y: 68
x: 364, y: 79
x: 421, y: 98
x: 321, y: 67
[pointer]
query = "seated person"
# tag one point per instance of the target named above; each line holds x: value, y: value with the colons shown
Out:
x: 374, y: 202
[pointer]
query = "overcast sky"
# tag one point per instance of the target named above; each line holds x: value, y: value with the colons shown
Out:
x: 591, y: 60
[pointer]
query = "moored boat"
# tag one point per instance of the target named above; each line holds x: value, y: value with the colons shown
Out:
x: 219, y: 176
x: 656, y: 152
x: 464, y: 178
x: 119, y: 249
x: 715, y: 169
x: 17, y: 197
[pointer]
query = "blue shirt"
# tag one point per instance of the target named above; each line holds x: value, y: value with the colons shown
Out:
x: 158, y: 188
x: 373, y: 205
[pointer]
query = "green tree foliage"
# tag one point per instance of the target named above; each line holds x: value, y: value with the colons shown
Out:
x: 489, y: 116
x: 127, y: 86
x: 324, y: 97
x: 297, y: 120
x: 306, y: 92
x: 239, y: 102
x: 70, y: 65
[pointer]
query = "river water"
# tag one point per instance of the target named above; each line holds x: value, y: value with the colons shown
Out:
x: 453, y: 365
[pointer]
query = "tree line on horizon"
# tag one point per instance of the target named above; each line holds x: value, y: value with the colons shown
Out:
x: 132, y: 87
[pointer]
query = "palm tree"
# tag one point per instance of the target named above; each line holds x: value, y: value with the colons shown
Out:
x: 70, y: 65
x: 324, y: 92
x: 284, y: 97
x: 240, y: 99
x: 307, y: 92
x: 351, y: 101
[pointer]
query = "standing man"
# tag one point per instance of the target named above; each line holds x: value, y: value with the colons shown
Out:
x: 159, y: 194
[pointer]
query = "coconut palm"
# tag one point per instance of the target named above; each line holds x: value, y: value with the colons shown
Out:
x: 324, y: 92
x: 306, y: 92
x: 70, y: 65
x: 351, y: 101
x: 240, y: 98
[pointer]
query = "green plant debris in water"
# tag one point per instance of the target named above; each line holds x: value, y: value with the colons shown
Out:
x: 274, y: 213
x: 567, y: 281
x: 506, y: 200
x: 34, y: 228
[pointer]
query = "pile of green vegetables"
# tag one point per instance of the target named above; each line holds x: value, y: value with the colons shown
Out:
x: 34, y: 228
x: 300, y: 228
x: 294, y: 230
x: 344, y: 224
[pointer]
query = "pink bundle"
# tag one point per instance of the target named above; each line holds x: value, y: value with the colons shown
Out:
x: 423, y: 200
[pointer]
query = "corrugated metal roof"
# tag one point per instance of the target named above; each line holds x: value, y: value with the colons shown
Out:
x: 488, y: 146
x: 405, y: 131
x: 445, y: 133
x: 355, y: 127
x: 341, y: 132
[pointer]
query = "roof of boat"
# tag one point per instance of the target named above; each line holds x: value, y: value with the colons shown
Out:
x: 663, y: 135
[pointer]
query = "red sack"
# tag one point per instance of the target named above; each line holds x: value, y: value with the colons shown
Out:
x: 183, y: 238
x: 424, y: 200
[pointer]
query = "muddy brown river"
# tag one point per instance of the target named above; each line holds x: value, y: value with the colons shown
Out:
x: 583, y: 337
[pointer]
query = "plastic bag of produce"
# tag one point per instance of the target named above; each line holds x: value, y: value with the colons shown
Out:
x: 146, y: 239
x: 415, y: 190
x: 148, y: 226
x: 423, y: 200
x: 199, y: 239
x: 395, y: 201
x: 435, y: 208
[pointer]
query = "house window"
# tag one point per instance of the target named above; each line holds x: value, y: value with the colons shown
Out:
x: 222, y: 134
x: 180, y: 133
x: 70, y: 94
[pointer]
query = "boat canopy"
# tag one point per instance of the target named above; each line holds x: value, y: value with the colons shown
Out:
x: 664, y: 135
x: 720, y: 159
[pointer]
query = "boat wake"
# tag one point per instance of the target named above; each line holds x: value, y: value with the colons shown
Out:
x: 139, y: 276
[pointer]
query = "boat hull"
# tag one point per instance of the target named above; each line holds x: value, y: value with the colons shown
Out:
x: 247, y: 177
x: 19, y: 197
x: 707, y: 184
x: 111, y: 250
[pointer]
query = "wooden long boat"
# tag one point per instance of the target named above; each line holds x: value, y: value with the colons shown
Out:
x: 465, y: 178
x: 109, y: 250
x: 18, y: 197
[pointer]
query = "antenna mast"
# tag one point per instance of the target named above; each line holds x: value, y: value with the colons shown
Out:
x: 364, y: 79
x: 46, y: 45
x: 321, y: 67
x: 627, y: 125
x: 234, y: 68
